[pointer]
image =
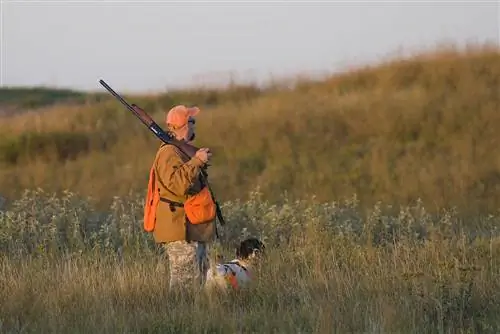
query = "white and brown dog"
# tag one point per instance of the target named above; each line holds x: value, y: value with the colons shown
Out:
x: 236, y: 273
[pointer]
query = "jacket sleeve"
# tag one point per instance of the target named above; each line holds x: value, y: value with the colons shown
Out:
x: 178, y: 176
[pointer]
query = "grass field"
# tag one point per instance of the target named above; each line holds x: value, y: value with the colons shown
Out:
x: 376, y: 192
x: 329, y: 267
x: 423, y: 127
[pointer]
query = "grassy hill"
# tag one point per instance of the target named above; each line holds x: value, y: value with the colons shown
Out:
x: 424, y: 127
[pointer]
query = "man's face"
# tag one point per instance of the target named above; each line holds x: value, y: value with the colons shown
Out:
x: 187, y: 132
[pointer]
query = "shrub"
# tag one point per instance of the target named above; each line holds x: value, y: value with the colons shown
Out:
x: 48, y: 146
x: 329, y: 267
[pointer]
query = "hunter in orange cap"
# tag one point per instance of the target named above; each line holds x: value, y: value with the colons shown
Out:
x: 178, y: 118
x: 179, y: 115
x: 177, y: 180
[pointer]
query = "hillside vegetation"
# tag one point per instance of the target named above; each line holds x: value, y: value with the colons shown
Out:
x: 419, y: 131
x: 425, y: 127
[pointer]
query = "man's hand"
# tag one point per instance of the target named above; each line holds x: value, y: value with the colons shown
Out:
x: 203, y: 154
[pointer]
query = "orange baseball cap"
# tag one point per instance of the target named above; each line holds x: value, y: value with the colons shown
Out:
x: 179, y: 115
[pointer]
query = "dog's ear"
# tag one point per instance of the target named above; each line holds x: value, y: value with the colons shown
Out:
x: 240, y: 250
x: 249, y: 248
x: 245, y: 249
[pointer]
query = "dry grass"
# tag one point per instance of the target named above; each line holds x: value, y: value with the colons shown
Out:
x: 419, y: 128
x: 423, y: 127
x: 330, y: 267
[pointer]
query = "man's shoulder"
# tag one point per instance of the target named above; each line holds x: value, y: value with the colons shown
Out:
x: 165, y: 147
x: 168, y: 150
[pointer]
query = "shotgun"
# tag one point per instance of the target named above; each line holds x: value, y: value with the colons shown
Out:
x: 187, y: 149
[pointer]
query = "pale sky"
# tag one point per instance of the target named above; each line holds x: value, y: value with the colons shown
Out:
x: 153, y: 45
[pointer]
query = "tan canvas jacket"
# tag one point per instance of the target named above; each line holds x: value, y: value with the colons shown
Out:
x: 178, y: 177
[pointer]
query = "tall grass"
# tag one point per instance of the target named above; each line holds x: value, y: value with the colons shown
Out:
x: 419, y: 134
x: 332, y: 266
x: 422, y: 127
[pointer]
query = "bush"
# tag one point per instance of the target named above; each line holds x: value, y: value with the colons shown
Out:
x: 48, y: 146
x: 37, y: 97
x: 329, y: 267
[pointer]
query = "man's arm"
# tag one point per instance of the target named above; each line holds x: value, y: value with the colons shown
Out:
x: 178, y: 176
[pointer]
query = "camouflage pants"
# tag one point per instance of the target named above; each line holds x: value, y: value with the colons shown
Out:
x: 188, y: 263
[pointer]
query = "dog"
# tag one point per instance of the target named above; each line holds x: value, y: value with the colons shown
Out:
x: 237, y: 273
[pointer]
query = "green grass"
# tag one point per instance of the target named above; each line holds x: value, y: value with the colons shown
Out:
x: 329, y: 267
x: 36, y: 97
x: 59, y: 146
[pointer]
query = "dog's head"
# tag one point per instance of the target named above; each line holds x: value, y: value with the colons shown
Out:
x: 250, y: 248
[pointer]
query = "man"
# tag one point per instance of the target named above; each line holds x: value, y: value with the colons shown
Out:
x: 178, y: 179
